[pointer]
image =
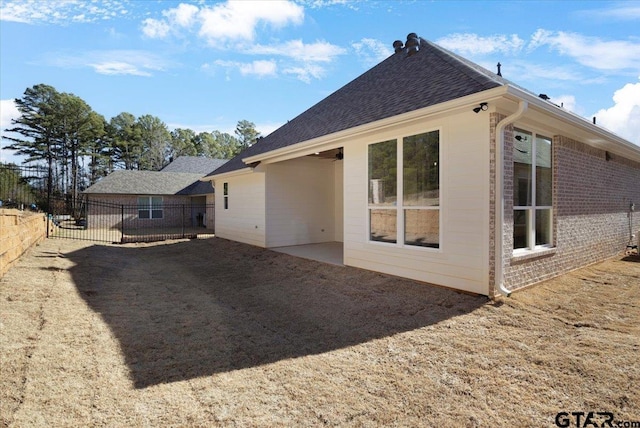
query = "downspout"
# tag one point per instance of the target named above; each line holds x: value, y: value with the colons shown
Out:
x: 499, y: 238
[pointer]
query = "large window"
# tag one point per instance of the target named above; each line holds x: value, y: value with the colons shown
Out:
x: 150, y: 207
x: 532, y: 191
x: 404, y: 191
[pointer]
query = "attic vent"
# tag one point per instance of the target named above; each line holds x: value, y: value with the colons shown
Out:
x: 411, y: 46
x: 544, y: 97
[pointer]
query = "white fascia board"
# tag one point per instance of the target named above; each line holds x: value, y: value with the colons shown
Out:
x: 335, y: 140
x: 226, y: 175
x: 602, y: 138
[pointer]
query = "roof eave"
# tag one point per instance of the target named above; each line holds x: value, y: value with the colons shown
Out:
x: 302, y: 148
x: 602, y: 137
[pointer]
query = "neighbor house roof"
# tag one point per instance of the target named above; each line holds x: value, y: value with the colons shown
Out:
x: 180, y: 177
x: 146, y: 183
x: 194, y: 164
x: 399, y: 84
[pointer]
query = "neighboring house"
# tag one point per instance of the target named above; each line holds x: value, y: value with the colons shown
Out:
x: 400, y: 166
x: 173, y: 197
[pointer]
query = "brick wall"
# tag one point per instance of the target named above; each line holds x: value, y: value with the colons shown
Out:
x: 591, y: 221
x: 19, y: 230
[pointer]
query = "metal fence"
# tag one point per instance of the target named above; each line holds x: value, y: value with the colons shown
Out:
x: 26, y: 188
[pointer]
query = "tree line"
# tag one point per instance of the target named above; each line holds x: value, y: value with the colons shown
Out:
x: 78, y: 145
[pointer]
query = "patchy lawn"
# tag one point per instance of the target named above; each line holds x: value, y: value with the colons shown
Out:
x: 216, y: 333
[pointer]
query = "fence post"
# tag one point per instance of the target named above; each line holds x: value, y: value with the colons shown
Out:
x: 182, y: 221
x: 121, y: 224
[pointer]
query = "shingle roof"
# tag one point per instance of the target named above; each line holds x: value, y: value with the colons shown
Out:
x: 397, y: 85
x: 150, y: 183
x: 194, y: 164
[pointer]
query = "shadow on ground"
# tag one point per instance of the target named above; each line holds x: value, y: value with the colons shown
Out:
x: 191, y: 309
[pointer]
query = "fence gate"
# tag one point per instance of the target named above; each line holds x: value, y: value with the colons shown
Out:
x: 29, y: 188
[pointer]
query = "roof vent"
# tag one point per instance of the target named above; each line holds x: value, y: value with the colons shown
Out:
x: 397, y: 45
x: 412, y: 44
x: 544, y: 97
x: 499, y: 72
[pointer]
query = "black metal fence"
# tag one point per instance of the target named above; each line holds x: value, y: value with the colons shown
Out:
x: 25, y: 188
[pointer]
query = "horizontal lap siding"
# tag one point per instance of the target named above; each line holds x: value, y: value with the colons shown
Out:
x: 244, y: 221
x: 462, y: 261
x: 300, y: 202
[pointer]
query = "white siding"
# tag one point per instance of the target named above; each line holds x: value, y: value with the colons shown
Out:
x: 462, y: 260
x: 338, y: 201
x: 300, y: 201
x: 244, y: 221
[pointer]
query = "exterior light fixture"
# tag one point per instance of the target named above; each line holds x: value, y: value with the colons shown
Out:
x: 482, y: 106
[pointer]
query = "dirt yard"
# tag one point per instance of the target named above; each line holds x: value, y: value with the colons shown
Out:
x: 214, y: 333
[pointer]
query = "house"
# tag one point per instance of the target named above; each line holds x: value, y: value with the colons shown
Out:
x: 174, y: 196
x: 430, y: 167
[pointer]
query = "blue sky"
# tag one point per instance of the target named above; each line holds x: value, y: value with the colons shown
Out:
x: 206, y: 65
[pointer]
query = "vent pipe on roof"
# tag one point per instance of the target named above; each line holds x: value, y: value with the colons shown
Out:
x: 397, y: 46
x: 499, y: 72
x: 412, y: 44
x: 594, y: 120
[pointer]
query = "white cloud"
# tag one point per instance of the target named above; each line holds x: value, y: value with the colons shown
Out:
x: 232, y: 21
x: 8, y: 111
x: 590, y: 51
x: 296, y: 49
x: 372, y: 51
x: 623, y: 117
x: 255, y: 68
x: 305, y: 72
x: 627, y: 11
x: 115, y: 62
x: 155, y: 29
x: 473, y: 44
x: 237, y: 21
x: 118, y: 67
x: 184, y: 15
x: 60, y: 11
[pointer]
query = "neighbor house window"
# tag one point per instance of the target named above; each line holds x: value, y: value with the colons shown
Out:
x: 404, y: 208
x: 532, y: 191
x: 225, y: 195
x: 150, y: 207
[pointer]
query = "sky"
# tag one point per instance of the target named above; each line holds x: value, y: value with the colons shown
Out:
x: 205, y: 65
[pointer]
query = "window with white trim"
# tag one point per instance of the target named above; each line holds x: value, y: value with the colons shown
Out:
x: 404, y: 191
x: 150, y: 207
x: 532, y: 191
x: 225, y: 195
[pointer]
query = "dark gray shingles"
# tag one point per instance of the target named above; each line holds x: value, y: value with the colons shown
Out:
x: 144, y: 183
x: 397, y: 85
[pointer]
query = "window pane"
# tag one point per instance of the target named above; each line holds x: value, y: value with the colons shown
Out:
x: 422, y: 228
x: 143, y: 202
x: 225, y: 189
x: 226, y: 202
x: 543, y: 227
x: 143, y: 213
x: 544, y: 183
x: 520, y: 229
x: 383, y: 225
x: 156, y: 214
x: 522, y: 172
x: 383, y: 161
x: 421, y: 177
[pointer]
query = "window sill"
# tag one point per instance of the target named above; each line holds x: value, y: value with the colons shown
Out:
x: 523, y: 256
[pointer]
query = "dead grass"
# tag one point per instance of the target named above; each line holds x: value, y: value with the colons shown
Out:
x: 215, y: 333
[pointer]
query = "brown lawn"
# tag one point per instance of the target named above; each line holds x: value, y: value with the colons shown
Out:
x: 216, y: 333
